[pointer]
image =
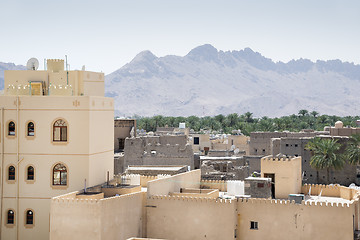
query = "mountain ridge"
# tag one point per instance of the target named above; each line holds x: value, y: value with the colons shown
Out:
x: 197, y: 83
x: 8, y: 66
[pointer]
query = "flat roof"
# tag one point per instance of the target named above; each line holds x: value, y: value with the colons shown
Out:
x: 326, y: 199
x: 163, y: 168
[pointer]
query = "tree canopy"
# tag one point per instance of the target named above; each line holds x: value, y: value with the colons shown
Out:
x: 247, y: 123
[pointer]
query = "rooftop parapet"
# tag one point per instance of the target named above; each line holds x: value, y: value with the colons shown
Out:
x: 280, y: 159
x: 55, y: 65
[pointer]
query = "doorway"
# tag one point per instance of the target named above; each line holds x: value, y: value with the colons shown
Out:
x: 272, y: 176
x: 121, y: 143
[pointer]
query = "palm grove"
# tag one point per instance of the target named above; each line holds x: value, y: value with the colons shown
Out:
x: 246, y: 122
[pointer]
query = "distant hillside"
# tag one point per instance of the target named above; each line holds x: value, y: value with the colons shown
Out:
x: 208, y: 82
x: 8, y: 66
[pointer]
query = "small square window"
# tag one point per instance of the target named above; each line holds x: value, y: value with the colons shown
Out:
x: 254, y: 225
x: 296, y: 145
x: 196, y: 140
x: 260, y: 185
x: 286, y: 145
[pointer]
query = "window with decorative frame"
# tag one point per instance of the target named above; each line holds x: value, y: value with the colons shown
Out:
x: 60, y: 131
x: 59, y: 175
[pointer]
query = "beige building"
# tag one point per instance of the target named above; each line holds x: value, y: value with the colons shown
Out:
x: 123, y: 128
x: 56, y: 136
x: 285, y: 174
x: 183, y: 207
x: 340, y: 130
x: 200, y: 143
x: 232, y: 142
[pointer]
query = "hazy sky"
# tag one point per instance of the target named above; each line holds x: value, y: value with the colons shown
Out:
x: 105, y: 35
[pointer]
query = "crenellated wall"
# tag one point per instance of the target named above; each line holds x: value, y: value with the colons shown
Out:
x: 214, y: 184
x: 119, y: 217
x: 330, y: 191
x: 282, y: 220
x: 179, y: 217
x: 190, y: 218
x: 85, y: 222
x: 287, y: 174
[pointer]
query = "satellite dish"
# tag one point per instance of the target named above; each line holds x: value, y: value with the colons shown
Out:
x: 32, y: 64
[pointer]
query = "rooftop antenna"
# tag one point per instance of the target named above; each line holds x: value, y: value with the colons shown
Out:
x: 67, y: 72
x: 32, y: 64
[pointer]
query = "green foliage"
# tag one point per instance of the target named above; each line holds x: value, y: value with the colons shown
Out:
x: 247, y: 123
x: 352, y: 151
x: 325, y: 153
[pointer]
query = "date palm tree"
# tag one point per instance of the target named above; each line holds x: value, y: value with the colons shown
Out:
x: 325, y: 155
x: 352, y: 152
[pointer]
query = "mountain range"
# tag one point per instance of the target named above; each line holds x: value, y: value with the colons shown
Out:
x: 207, y: 81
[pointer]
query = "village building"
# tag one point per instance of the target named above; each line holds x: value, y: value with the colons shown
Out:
x: 57, y: 132
x: 340, y: 130
x: 183, y: 207
x: 294, y: 144
x: 166, y: 150
x: 219, y: 144
x: 261, y: 142
x: 123, y: 128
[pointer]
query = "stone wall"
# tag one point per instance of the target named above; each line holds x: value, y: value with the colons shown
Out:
x: 119, y: 163
x: 297, y: 147
x: 158, y: 150
x: 260, y: 142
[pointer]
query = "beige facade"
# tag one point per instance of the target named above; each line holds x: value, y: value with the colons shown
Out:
x: 285, y: 174
x: 56, y: 136
x: 179, y: 208
x: 119, y: 217
x: 200, y: 142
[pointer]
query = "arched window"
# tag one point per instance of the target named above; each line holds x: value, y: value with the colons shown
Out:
x: 30, y: 129
x: 60, y: 131
x: 59, y: 175
x: 30, y: 173
x: 10, y: 217
x: 11, y: 173
x: 11, y: 129
x: 29, y: 217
